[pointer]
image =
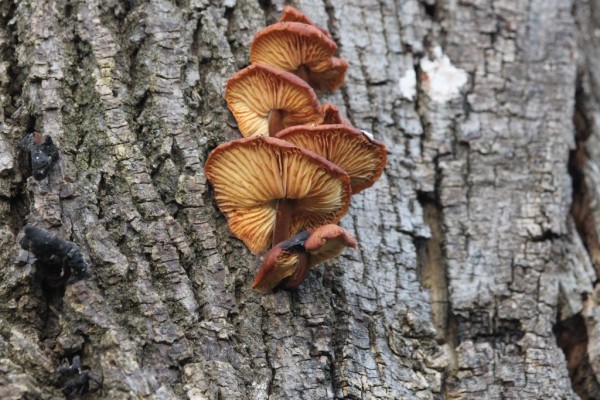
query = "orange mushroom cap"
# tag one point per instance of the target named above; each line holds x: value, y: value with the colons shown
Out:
x: 281, y: 262
x: 326, y: 242
x: 353, y: 150
x: 257, y: 90
x: 249, y: 176
x: 289, y: 263
x: 291, y: 14
x: 302, y: 49
x: 331, y: 115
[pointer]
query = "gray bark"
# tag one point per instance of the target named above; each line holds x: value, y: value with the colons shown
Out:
x: 478, y: 255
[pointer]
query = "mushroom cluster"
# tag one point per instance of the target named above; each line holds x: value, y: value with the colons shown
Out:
x: 299, y: 161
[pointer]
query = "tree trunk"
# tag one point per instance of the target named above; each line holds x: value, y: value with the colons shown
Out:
x: 478, y: 257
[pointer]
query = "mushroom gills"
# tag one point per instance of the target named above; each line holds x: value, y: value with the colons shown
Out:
x: 288, y: 263
x: 278, y: 271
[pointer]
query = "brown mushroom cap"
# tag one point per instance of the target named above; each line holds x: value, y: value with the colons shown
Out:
x: 362, y: 157
x: 289, y: 263
x: 302, y: 49
x: 255, y: 91
x: 251, y: 175
x: 326, y: 242
x: 291, y: 14
x: 331, y: 115
x: 281, y: 262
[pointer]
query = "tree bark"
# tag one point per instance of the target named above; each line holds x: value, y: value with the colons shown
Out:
x: 478, y: 258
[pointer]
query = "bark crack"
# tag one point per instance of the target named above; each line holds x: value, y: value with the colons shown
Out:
x: 572, y: 338
x: 431, y: 265
x: 571, y: 334
x: 14, y: 199
x: 581, y: 209
x: 265, y: 340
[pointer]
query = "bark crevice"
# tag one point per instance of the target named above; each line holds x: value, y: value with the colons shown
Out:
x: 581, y: 209
x: 571, y: 333
x: 572, y: 338
x: 430, y: 264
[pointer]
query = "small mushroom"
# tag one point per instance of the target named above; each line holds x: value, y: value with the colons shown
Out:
x: 289, y: 263
x: 353, y: 150
x: 265, y: 100
x: 269, y: 189
x: 331, y: 115
x: 291, y: 14
x: 303, y: 50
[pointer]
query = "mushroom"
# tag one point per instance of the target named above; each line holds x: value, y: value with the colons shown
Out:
x: 291, y: 14
x: 302, y: 49
x: 353, y: 150
x: 331, y: 115
x: 265, y: 100
x: 269, y: 189
x: 289, y: 263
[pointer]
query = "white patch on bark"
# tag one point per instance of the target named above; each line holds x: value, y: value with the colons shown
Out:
x: 408, y: 85
x: 6, y: 157
x: 443, y: 80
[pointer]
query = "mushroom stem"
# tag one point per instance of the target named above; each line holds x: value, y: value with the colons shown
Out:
x: 301, y: 272
x: 275, y: 122
x: 283, y: 221
x: 303, y: 73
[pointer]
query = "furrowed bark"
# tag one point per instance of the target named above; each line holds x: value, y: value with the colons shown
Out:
x: 472, y: 270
